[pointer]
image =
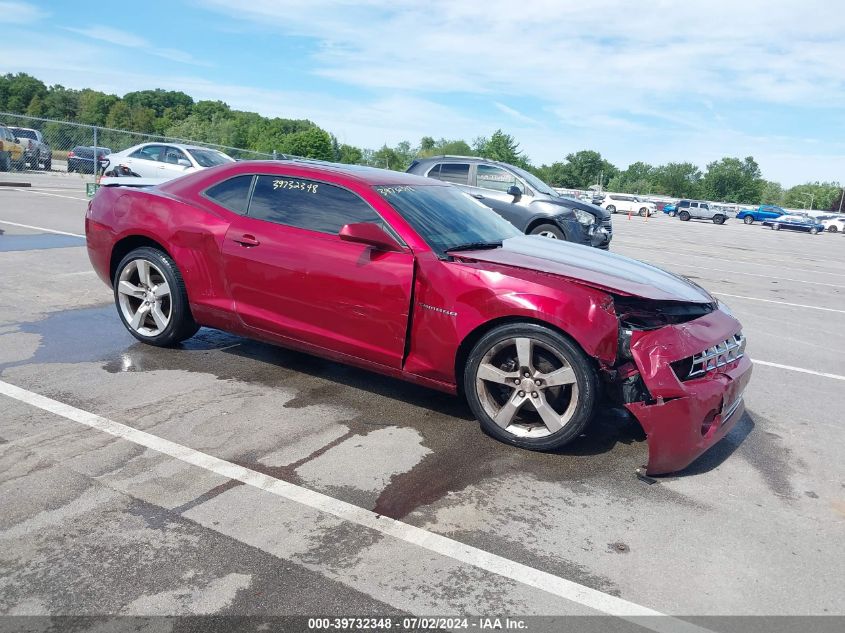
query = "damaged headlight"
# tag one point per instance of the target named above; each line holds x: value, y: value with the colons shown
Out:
x: 645, y: 314
x: 584, y: 217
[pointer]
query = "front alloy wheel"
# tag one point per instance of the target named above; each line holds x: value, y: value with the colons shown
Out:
x: 530, y: 386
x: 748, y: 219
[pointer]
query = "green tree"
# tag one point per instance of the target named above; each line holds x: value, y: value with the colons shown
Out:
x: 35, y: 107
x: 350, y: 154
x: 21, y: 90
x: 427, y: 144
x: 503, y: 147
x: 311, y: 143
x: 733, y: 180
x: 637, y: 178
x: 160, y: 100
x: 584, y: 169
x: 679, y: 180
x: 61, y: 103
x: 94, y: 107
x: 772, y: 193
x: 812, y: 195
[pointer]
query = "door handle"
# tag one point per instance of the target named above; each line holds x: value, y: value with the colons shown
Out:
x: 477, y: 196
x: 246, y: 240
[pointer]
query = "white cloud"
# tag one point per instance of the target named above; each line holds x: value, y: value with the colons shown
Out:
x: 119, y: 37
x: 20, y: 13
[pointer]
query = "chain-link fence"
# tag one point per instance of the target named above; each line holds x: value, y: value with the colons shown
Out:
x: 45, y: 144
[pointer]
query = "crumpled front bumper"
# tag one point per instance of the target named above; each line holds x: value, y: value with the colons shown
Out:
x: 688, y: 417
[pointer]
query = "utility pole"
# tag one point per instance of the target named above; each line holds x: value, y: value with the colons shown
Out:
x: 841, y: 197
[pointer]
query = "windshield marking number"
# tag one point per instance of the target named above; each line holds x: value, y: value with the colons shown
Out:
x: 310, y: 187
x: 386, y: 191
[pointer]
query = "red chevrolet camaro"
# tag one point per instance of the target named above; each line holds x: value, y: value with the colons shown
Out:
x: 412, y: 278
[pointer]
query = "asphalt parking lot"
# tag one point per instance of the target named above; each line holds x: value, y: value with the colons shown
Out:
x: 233, y: 477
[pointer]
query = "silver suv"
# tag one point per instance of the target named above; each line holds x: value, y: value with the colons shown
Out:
x: 521, y: 198
x: 700, y: 210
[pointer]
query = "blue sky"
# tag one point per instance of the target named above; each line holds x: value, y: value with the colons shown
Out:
x: 654, y: 81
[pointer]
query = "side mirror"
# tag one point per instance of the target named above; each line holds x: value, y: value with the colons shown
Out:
x: 371, y: 234
x: 516, y: 192
x: 184, y: 162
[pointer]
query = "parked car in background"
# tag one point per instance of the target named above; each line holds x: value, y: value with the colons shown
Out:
x: 761, y: 213
x: 164, y: 161
x: 412, y: 278
x: 670, y: 209
x: 81, y: 159
x: 37, y: 150
x: 833, y: 224
x: 620, y: 203
x: 700, y: 210
x: 795, y: 222
x: 12, y: 151
x: 521, y: 198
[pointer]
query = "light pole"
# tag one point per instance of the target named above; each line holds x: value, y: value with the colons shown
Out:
x: 812, y: 197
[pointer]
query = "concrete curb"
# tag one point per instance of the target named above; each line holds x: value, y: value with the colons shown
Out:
x: 15, y: 184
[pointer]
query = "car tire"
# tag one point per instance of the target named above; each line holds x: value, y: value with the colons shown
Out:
x: 672, y: 214
x: 5, y: 161
x: 548, y: 230
x: 643, y: 212
x: 718, y: 219
x: 563, y: 409
x: 684, y: 216
x: 48, y: 164
x: 814, y: 231
x: 748, y: 219
x: 832, y: 229
x: 776, y: 227
x: 151, y: 299
x: 611, y: 208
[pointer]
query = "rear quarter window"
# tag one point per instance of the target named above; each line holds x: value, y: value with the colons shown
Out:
x: 233, y: 194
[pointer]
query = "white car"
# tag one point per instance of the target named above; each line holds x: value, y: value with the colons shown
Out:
x: 163, y: 161
x: 834, y: 225
x: 621, y: 203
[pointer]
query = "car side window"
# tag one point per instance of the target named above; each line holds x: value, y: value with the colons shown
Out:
x: 704, y: 205
x: 683, y: 204
x: 232, y: 194
x: 456, y: 173
x: 307, y: 204
x: 172, y: 155
x: 495, y: 178
x: 150, y: 152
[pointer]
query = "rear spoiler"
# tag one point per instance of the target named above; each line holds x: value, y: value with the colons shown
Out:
x: 131, y: 181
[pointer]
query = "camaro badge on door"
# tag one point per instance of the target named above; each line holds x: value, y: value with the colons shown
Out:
x: 441, y: 310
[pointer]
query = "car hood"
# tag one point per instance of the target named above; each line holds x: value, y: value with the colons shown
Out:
x: 592, y: 266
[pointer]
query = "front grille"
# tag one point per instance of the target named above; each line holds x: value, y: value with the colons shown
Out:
x: 607, y: 223
x: 712, y: 358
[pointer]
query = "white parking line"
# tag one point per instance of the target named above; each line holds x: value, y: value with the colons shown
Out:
x: 783, y: 303
x: 799, y: 369
x: 55, y: 195
x: 40, y: 228
x: 419, y: 537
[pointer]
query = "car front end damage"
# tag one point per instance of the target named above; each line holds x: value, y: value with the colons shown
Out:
x: 681, y: 373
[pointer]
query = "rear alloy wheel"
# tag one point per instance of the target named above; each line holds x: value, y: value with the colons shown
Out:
x: 151, y: 298
x: 672, y: 214
x: 748, y: 219
x: 776, y: 227
x: 718, y: 219
x: 611, y: 208
x: 548, y: 230
x: 684, y: 216
x: 530, y: 386
x: 832, y: 228
x: 814, y: 231
x: 643, y: 212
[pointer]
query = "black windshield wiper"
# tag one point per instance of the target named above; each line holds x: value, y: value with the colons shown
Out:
x: 473, y: 246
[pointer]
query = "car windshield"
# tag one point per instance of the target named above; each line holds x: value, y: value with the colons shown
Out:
x: 210, y: 157
x: 536, y: 183
x: 445, y: 217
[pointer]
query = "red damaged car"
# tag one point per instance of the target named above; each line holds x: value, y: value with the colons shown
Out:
x: 412, y: 278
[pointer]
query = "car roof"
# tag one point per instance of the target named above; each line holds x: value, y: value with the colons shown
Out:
x: 455, y: 158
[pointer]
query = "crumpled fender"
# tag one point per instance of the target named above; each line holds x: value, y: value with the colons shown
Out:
x: 686, y: 418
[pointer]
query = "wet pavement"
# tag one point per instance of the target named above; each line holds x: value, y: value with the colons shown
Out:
x: 93, y: 524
